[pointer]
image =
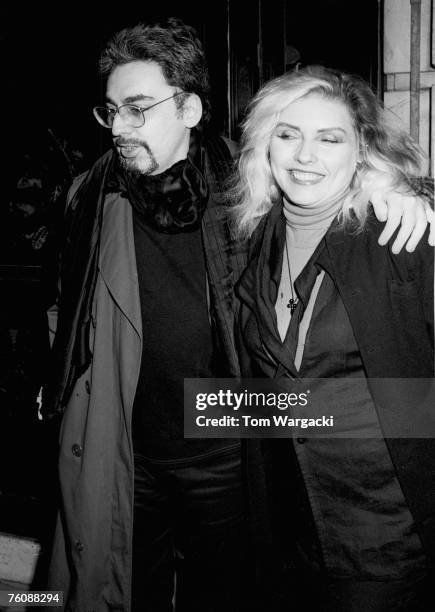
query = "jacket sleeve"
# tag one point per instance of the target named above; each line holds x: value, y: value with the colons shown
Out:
x: 426, y: 262
x: 424, y: 271
x: 420, y: 266
x: 53, y: 309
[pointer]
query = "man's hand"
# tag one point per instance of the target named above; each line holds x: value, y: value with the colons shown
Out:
x: 411, y: 212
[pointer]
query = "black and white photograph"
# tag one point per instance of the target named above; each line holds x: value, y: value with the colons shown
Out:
x: 217, y: 246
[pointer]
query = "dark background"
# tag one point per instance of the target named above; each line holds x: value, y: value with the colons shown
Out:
x: 50, y: 55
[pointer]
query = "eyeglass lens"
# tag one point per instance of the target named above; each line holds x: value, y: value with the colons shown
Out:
x: 130, y: 114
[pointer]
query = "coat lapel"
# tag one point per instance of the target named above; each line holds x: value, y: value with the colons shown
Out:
x: 254, y: 288
x: 118, y: 258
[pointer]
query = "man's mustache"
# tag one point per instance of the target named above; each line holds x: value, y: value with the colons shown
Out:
x: 125, y: 142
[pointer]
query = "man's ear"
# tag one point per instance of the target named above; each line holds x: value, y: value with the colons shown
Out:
x: 192, y: 110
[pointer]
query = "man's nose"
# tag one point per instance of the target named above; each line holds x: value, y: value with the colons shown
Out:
x: 120, y: 127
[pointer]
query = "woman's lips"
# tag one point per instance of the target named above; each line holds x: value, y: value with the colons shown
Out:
x: 302, y: 177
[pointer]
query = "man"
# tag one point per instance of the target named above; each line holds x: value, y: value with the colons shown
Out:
x: 147, y: 279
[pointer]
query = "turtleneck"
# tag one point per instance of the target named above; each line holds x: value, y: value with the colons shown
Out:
x: 305, y: 228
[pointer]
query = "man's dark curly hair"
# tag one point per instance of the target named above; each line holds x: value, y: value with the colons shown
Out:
x: 174, y: 46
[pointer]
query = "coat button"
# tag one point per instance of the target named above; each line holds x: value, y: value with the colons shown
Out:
x: 77, y: 450
x: 301, y: 440
x: 79, y: 546
x: 88, y: 387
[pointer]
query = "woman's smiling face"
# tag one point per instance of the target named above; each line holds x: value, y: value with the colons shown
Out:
x: 313, y: 151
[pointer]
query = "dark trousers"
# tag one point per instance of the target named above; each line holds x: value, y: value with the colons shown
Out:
x: 190, y: 521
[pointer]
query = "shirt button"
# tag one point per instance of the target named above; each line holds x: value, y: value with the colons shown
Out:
x: 301, y: 440
x: 79, y: 546
x: 77, y: 450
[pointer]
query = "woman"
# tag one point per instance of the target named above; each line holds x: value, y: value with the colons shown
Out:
x: 354, y: 517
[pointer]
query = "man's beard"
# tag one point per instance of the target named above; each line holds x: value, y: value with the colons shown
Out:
x: 130, y: 165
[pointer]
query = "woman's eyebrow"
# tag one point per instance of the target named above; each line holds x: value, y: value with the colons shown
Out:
x: 333, y: 129
x: 320, y: 130
x: 289, y: 125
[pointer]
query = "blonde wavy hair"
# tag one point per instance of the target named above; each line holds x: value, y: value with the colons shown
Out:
x: 388, y: 155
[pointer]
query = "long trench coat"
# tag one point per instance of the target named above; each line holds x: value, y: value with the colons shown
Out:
x: 92, y: 552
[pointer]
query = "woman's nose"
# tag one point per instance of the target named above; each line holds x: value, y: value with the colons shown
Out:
x: 306, y: 152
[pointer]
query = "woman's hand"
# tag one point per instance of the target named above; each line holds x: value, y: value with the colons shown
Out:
x: 411, y: 212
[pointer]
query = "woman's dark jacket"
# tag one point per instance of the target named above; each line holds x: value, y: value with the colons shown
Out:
x: 390, y: 303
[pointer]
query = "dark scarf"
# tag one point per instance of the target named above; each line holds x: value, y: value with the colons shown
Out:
x: 173, y: 201
x: 183, y: 188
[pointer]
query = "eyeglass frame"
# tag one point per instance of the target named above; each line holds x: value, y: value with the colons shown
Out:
x: 141, y: 109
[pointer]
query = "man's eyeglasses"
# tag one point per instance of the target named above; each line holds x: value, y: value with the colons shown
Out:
x: 131, y: 114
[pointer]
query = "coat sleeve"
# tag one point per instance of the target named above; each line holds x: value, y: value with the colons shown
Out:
x: 423, y: 262
x: 424, y: 271
x: 418, y: 268
x: 53, y: 309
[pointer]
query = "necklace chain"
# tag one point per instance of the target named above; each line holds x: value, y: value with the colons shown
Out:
x: 292, y: 303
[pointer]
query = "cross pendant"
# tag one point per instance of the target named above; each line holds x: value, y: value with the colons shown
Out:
x: 292, y: 305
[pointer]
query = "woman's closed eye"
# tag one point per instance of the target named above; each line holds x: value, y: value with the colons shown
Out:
x: 286, y: 135
x: 331, y: 138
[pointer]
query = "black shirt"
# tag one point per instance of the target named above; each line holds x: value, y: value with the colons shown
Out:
x: 177, y: 341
